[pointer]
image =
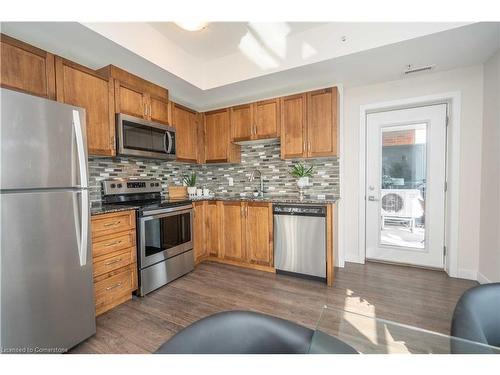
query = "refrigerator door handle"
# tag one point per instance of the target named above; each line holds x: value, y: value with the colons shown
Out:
x: 84, y: 209
x: 84, y: 228
x: 82, y: 162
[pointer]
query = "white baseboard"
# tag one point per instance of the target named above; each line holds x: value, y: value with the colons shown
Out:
x: 482, y: 279
x: 467, y: 274
x: 354, y: 259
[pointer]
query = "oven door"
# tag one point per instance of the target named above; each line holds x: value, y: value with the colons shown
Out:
x: 165, y: 234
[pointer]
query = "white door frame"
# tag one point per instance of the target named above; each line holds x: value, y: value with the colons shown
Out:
x: 453, y: 99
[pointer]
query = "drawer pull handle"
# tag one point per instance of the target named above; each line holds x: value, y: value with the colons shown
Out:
x: 113, y: 243
x: 113, y: 262
x: 114, y: 286
x: 112, y: 224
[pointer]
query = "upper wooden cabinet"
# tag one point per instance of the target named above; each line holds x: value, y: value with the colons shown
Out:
x: 83, y: 87
x: 322, y: 123
x: 189, y: 133
x: 309, y: 124
x: 242, y: 122
x: 218, y: 146
x: 26, y: 68
x: 136, y: 96
x: 267, y: 119
x: 293, y: 126
x: 260, y: 120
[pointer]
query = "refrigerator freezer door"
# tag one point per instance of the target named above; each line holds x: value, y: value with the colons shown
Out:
x: 47, y: 296
x: 43, y: 143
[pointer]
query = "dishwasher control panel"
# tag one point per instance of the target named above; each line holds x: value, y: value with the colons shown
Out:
x: 303, y: 210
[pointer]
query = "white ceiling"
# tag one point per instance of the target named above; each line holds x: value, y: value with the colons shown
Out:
x: 226, y: 53
x: 452, y: 48
x: 218, y: 39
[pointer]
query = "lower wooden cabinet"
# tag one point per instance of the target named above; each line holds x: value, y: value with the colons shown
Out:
x: 213, y: 229
x: 200, y: 250
x: 234, y: 232
x: 114, y: 255
x: 259, y: 229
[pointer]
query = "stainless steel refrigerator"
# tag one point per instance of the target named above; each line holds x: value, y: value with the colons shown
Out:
x: 47, y: 296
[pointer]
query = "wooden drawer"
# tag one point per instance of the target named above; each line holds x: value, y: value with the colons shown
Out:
x: 113, y: 261
x: 114, y: 290
x: 105, y: 224
x: 112, y: 243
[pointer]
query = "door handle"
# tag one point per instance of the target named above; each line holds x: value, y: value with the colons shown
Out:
x: 371, y: 198
x: 113, y: 262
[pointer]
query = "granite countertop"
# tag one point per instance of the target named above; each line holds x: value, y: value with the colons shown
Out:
x: 108, y: 208
x: 270, y: 198
x: 98, y: 209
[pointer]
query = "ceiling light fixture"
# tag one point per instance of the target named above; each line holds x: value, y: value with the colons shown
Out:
x: 192, y: 25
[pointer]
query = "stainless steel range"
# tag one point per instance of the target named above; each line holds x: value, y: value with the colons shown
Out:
x: 164, y: 230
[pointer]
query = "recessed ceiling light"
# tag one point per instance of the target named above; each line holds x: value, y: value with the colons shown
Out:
x: 192, y: 25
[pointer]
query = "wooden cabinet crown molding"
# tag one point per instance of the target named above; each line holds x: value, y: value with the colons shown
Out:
x: 26, y: 68
x: 112, y: 71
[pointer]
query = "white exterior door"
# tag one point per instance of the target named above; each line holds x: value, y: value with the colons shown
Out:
x: 405, y: 185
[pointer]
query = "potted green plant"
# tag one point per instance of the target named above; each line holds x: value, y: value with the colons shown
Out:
x: 190, y: 182
x: 302, y: 173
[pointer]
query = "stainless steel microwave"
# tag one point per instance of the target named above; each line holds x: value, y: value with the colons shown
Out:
x: 138, y: 137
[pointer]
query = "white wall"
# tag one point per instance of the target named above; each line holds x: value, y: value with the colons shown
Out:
x: 489, y: 244
x: 467, y: 81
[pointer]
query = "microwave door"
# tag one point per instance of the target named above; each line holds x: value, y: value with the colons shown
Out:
x: 158, y: 136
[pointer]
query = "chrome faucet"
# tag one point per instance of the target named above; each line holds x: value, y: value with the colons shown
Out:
x: 252, y: 177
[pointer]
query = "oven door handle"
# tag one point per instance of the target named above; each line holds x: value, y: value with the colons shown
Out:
x: 158, y: 214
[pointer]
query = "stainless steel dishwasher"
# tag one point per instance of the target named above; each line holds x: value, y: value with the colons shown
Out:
x: 300, y: 240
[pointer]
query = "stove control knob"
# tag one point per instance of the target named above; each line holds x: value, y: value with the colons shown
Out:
x: 119, y: 186
x: 157, y: 184
x: 113, y: 186
x: 152, y: 184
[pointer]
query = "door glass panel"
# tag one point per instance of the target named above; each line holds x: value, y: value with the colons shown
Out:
x: 137, y: 137
x: 403, y: 186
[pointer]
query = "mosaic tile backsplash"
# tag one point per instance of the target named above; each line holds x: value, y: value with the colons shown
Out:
x: 264, y: 157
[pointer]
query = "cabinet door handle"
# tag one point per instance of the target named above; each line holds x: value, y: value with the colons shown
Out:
x: 114, y: 286
x: 113, y: 262
x: 113, y: 243
x: 112, y: 224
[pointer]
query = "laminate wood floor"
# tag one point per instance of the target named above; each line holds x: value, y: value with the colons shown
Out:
x: 423, y: 298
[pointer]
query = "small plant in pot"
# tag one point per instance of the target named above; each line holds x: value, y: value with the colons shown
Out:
x: 302, y: 173
x: 190, y: 182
